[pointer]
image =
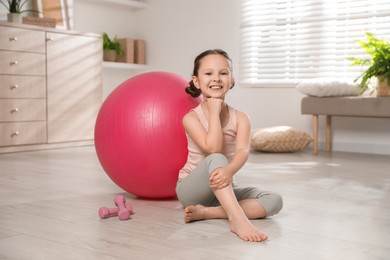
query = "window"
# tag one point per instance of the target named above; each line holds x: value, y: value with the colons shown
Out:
x: 286, y: 41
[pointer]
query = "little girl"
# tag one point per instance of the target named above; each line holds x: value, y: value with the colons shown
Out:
x: 218, y: 144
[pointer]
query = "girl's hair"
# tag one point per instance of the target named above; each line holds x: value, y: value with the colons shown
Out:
x: 192, y: 89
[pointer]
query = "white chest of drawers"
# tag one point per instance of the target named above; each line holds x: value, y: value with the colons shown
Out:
x: 22, y: 87
x: 50, y: 87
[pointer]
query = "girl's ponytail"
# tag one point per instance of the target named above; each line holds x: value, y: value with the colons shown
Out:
x: 192, y: 90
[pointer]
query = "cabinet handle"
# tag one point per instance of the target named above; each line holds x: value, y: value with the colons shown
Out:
x: 16, y: 86
x: 51, y: 39
x: 13, y: 39
x: 15, y: 62
x: 16, y: 133
x: 15, y: 110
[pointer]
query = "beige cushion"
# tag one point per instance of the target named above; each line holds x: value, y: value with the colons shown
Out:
x: 279, y: 139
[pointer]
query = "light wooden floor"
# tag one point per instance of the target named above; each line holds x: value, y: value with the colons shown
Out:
x: 336, y: 207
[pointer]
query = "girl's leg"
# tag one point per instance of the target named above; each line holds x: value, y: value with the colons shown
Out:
x: 251, y: 208
x: 257, y: 203
x: 254, y: 202
x: 195, y: 189
x: 239, y: 222
x: 230, y: 209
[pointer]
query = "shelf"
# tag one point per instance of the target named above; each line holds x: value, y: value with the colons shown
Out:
x: 136, y: 5
x: 121, y: 65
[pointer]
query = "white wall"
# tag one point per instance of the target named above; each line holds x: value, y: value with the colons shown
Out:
x: 115, y: 20
x: 177, y: 30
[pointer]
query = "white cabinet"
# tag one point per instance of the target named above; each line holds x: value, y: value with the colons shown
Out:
x: 22, y: 87
x: 50, y: 87
x: 74, y: 78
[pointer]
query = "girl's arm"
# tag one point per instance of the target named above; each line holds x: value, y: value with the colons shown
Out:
x: 223, y: 176
x: 210, y: 141
x: 242, y: 142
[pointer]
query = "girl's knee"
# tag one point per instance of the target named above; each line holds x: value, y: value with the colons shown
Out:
x: 275, y: 205
x: 216, y: 156
x: 216, y: 160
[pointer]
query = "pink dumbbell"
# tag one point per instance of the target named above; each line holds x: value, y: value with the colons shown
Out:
x: 120, y: 202
x: 105, y: 212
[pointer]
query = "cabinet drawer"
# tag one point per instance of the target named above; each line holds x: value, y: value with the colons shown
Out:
x: 22, y: 133
x: 22, y: 63
x: 13, y: 110
x: 17, y: 39
x: 22, y: 86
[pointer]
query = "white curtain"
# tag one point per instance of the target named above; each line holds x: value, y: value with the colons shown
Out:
x: 286, y: 41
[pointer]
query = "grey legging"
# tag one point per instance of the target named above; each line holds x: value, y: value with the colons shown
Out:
x: 195, y: 188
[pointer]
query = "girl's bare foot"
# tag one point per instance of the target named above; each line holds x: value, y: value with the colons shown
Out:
x: 192, y: 213
x: 247, y: 232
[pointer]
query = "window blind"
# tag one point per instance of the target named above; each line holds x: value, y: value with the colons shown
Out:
x: 286, y: 41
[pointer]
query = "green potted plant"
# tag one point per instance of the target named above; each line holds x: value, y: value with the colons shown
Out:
x: 111, y: 48
x: 15, y: 9
x: 378, y: 64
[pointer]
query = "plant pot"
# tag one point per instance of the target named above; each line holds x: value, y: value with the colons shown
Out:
x: 14, y: 18
x: 382, y: 88
x: 109, y: 55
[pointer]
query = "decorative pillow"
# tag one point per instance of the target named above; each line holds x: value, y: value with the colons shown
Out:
x: 279, y: 139
x: 324, y: 87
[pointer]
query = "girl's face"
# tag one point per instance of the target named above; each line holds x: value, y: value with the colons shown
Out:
x: 214, y: 76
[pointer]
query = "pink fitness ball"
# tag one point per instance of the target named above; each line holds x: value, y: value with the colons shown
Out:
x: 139, y: 137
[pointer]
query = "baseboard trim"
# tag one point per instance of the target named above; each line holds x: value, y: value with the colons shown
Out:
x: 36, y: 147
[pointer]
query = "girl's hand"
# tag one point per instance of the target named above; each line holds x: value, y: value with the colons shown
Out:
x: 220, y: 178
x: 215, y: 105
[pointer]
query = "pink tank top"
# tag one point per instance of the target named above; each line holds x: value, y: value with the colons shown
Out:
x: 195, y: 155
